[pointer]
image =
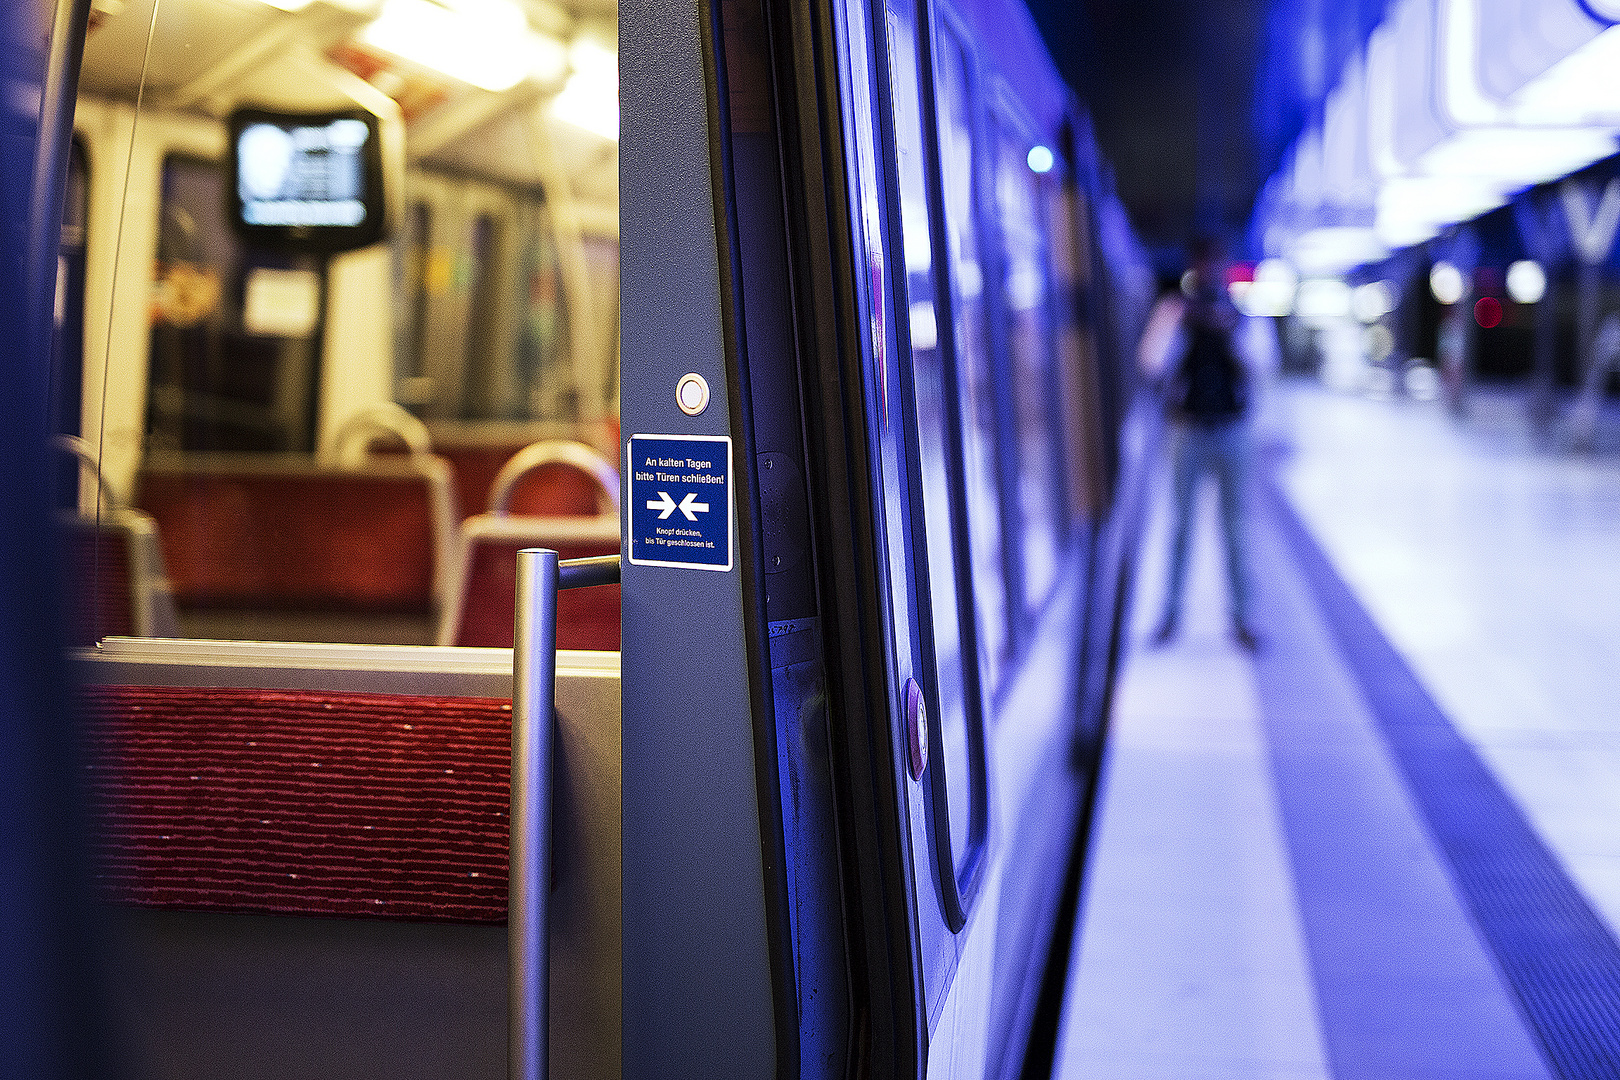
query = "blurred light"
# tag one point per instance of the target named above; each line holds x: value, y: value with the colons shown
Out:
x: 591, y: 58
x: 289, y: 5
x: 1041, y: 159
x: 914, y: 231
x: 487, y: 43
x: 1446, y: 283
x: 590, y: 98
x: 1025, y: 285
x: 1526, y: 282
x: 1336, y: 249
x: 924, y: 326
x: 1374, y: 300
x: 1379, y: 383
x: 1578, y: 89
x: 1272, y: 293
x: 1377, y: 343
x: 1412, y: 209
x: 1239, y: 271
x: 1488, y: 312
x: 1517, y: 157
x: 1422, y: 382
x: 1323, y: 298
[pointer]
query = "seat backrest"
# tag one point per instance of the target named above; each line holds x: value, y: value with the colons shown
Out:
x: 563, y: 473
x: 351, y: 443
x: 112, y: 561
x: 116, y: 580
x: 480, y: 611
x: 286, y: 531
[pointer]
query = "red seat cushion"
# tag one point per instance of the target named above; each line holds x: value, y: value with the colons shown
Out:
x: 301, y: 802
x: 361, y: 541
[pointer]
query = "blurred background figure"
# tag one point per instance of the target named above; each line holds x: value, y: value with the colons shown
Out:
x: 1197, y: 349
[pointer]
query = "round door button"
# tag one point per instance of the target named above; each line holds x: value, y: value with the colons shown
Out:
x: 692, y: 393
x: 916, y: 729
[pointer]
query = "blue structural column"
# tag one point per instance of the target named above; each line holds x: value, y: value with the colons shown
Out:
x: 48, y: 958
x: 697, y: 978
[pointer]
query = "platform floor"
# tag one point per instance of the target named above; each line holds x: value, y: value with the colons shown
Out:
x: 1388, y: 845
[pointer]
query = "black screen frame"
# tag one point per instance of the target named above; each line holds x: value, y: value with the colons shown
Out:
x: 311, y: 239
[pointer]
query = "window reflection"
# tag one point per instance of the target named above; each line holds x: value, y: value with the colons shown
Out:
x: 1023, y: 298
x: 974, y: 362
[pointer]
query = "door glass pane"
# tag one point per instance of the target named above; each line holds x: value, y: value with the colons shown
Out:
x: 934, y: 445
x: 975, y: 371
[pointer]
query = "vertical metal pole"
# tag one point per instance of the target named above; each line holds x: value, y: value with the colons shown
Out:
x: 534, y: 682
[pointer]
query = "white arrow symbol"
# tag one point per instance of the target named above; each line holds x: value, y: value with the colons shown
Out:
x: 693, y: 509
x: 663, y: 504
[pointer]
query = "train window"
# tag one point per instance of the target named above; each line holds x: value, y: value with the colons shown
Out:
x: 234, y: 341
x: 1076, y: 348
x: 602, y: 272
x: 545, y: 371
x: 957, y: 790
x: 1024, y: 292
x: 485, y: 383
x: 411, y: 386
x: 975, y: 365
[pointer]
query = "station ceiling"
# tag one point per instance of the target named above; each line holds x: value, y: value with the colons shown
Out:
x: 1196, y: 101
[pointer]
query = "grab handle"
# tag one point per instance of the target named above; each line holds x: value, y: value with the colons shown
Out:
x: 534, y: 692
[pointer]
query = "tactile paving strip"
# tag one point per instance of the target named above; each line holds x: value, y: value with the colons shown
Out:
x: 1558, y: 956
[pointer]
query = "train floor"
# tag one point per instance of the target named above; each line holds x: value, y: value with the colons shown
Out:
x: 1388, y: 844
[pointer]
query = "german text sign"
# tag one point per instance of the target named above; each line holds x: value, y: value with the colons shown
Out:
x: 680, y: 501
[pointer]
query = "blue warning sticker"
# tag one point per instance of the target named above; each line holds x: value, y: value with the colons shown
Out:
x: 680, y: 501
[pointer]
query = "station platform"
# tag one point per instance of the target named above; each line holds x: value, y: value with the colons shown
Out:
x: 1388, y: 844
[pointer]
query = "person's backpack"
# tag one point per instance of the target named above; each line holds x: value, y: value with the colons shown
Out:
x: 1209, y: 384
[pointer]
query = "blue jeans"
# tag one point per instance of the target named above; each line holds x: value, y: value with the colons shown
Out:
x: 1223, y: 450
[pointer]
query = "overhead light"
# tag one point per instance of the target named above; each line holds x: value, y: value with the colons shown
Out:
x: 590, y: 98
x: 1412, y: 209
x: 487, y: 43
x: 1335, y: 249
x: 1517, y: 157
x: 1579, y: 89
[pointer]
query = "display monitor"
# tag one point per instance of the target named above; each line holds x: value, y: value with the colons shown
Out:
x: 307, y: 182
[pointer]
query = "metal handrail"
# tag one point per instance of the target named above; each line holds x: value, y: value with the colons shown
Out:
x: 534, y: 693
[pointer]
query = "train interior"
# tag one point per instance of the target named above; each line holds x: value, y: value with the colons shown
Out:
x: 834, y: 346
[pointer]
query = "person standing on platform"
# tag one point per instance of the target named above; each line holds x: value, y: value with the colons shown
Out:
x: 1193, y: 348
